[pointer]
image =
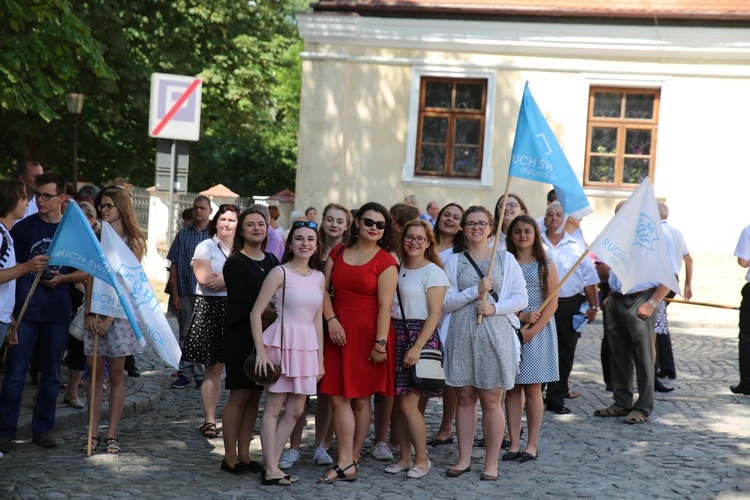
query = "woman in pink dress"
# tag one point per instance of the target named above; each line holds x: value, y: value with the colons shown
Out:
x: 294, y: 341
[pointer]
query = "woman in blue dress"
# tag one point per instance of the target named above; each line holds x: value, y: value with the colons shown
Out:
x: 539, y: 359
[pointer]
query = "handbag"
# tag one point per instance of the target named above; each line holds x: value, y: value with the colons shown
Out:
x: 427, y: 374
x: 77, y: 327
x: 271, y: 376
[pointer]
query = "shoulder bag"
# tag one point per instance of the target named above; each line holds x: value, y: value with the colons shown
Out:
x: 270, y: 376
x: 427, y: 375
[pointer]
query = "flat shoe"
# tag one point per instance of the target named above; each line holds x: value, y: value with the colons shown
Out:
x: 417, y: 473
x: 457, y: 472
x: 73, y: 403
x: 396, y: 468
x: 238, y: 469
x: 438, y: 442
x: 526, y: 456
x: 511, y: 455
x: 276, y: 481
x: 487, y: 477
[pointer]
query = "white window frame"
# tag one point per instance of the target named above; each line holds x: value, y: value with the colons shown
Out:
x: 487, y: 174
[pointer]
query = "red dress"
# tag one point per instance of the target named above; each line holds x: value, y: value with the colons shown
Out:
x: 349, y: 372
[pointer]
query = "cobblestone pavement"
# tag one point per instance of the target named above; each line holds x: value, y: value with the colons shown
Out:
x: 696, y: 444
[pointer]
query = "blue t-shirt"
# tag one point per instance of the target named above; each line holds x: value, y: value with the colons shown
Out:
x: 32, y: 236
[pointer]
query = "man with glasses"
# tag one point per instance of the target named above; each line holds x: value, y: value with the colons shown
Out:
x: 46, y: 320
x: 183, y: 283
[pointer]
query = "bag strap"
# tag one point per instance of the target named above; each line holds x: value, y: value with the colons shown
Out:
x: 479, y: 272
x: 400, y: 303
x: 283, y: 302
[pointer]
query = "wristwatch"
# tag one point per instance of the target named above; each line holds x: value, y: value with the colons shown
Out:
x: 652, y: 303
x: 381, y: 342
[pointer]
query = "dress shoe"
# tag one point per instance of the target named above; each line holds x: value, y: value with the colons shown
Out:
x: 659, y: 387
x: 560, y: 410
x: 740, y: 389
x: 44, y: 440
x: 5, y: 444
x: 670, y: 374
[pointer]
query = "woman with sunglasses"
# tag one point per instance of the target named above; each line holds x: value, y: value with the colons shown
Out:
x: 481, y: 361
x: 359, y: 349
x: 117, y: 338
x: 332, y: 232
x: 203, y: 339
x: 294, y: 342
x: 539, y: 360
x: 244, y: 272
x: 422, y: 285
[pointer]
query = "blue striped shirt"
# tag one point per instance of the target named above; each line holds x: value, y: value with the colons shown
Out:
x: 181, y: 253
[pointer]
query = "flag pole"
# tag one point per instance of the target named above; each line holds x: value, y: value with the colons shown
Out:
x: 12, y: 332
x: 92, y: 394
x: 707, y: 304
x: 497, y: 240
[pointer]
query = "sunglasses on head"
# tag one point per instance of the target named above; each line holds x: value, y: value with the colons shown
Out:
x: 380, y: 225
x: 306, y: 223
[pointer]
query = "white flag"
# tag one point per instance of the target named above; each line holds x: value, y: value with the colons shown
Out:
x: 132, y: 277
x: 633, y: 243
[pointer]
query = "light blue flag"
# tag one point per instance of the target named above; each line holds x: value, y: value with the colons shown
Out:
x: 537, y: 156
x: 74, y: 244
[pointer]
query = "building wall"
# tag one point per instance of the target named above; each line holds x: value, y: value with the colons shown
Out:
x: 358, y: 75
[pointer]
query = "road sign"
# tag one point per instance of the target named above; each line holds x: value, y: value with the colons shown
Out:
x: 165, y: 177
x: 175, y: 108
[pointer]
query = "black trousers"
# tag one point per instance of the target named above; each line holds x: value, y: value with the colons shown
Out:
x: 567, y: 340
x: 745, y: 336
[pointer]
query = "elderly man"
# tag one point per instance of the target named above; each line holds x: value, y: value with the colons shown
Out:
x: 742, y: 252
x: 578, y: 289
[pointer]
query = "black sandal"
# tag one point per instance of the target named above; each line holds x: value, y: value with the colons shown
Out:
x: 209, y: 430
x: 111, y: 446
x: 340, y: 474
x: 94, y: 445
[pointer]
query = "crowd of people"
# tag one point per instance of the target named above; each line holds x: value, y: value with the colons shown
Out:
x: 342, y: 310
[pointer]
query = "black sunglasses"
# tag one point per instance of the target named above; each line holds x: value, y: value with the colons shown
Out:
x: 380, y: 225
x: 306, y: 223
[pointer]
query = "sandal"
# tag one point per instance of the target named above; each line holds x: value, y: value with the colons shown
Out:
x: 112, y: 446
x: 572, y: 394
x: 612, y: 411
x: 209, y: 430
x: 636, y: 417
x: 94, y: 445
x: 340, y: 474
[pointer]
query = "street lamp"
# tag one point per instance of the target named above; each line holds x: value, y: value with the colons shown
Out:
x: 75, y: 106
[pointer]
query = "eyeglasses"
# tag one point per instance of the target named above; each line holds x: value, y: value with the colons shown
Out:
x: 481, y: 224
x: 512, y: 206
x: 306, y: 223
x: 380, y: 225
x: 106, y: 206
x: 44, y: 196
x: 411, y: 238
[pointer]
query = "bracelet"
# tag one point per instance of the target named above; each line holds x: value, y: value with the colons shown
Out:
x: 378, y: 351
x: 332, y: 317
x: 652, y: 303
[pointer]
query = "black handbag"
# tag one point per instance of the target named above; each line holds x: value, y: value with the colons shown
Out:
x: 427, y: 375
x: 270, y: 376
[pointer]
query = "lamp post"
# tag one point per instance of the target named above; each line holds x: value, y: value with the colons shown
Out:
x: 75, y: 106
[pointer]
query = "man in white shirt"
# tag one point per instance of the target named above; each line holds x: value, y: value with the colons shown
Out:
x: 579, y: 288
x: 742, y: 252
x: 678, y: 252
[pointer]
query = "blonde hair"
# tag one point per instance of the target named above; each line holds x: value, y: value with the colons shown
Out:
x: 133, y: 234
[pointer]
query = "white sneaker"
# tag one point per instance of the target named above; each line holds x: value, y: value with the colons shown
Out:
x: 381, y: 451
x: 289, y: 458
x: 321, y: 456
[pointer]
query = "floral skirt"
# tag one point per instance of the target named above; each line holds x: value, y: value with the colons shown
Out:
x: 407, y: 332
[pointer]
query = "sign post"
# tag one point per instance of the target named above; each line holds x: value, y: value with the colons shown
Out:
x: 175, y: 113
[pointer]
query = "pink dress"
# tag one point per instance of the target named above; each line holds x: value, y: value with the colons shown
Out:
x: 299, y: 353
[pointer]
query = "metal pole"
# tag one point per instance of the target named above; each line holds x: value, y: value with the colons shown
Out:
x: 173, y: 181
x: 75, y: 152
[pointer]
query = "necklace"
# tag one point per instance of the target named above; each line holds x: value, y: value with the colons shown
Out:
x: 259, y: 264
x: 309, y: 271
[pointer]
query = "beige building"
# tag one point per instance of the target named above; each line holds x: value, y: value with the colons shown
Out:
x: 422, y: 97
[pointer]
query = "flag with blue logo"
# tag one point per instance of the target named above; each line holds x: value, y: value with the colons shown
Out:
x: 140, y: 295
x: 74, y: 244
x: 537, y: 156
x: 633, y: 243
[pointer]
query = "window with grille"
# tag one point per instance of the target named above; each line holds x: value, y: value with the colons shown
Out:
x: 621, y: 136
x: 450, y: 139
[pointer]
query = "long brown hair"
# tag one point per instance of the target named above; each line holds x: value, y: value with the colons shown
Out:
x: 315, y: 261
x: 133, y: 234
x: 322, y: 236
x: 239, y: 240
x: 537, y: 249
x: 430, y: 252
x: 499, y: 217
x: 459, y: 239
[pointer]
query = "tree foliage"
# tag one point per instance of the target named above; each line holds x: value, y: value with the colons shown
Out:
x: 246, y: 53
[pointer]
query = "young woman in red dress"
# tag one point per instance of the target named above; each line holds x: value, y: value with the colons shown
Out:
x: 359, y: 349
